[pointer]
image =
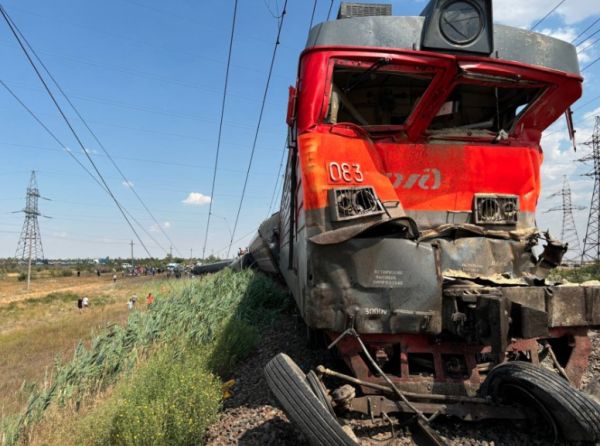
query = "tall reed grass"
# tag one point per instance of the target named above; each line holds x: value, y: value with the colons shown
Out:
x: 221, y: 313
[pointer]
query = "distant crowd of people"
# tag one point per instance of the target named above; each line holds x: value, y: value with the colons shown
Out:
x: 133, y: 300
x: 84, y: 302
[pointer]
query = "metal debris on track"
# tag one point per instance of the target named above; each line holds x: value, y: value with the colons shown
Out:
x: 253, y: 417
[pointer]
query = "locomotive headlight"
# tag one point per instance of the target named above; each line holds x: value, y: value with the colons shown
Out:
x: 354, y: 202
x: 461, y: 22
x: 458, y: 25
x: 493, y: 209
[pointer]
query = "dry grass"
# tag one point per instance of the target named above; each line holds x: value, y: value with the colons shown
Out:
x: 212, y: 322
x: 26, y: 354
x: 36, y: 328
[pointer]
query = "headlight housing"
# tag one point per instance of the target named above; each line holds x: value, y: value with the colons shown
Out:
x: 495, y: 209
x: 354, y: 202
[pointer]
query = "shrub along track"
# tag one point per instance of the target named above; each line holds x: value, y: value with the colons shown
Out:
x: 253, y: 417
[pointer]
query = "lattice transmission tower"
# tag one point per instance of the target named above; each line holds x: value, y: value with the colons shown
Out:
x: 30, y: 243
x: 591, y: 242
x: 568, y: 233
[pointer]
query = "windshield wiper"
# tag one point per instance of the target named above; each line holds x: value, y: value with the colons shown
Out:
x: 374, y: 67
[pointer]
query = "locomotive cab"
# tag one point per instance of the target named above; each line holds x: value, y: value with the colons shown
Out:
x: 408, y: 207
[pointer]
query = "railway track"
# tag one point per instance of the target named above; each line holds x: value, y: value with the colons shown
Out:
x: 253, y: 416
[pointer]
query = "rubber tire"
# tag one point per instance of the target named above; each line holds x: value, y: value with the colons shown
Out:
x: 576, y: 415
x: 288, y: 384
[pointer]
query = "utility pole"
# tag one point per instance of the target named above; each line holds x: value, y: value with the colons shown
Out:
x: 591, y: 242
x: 171, y: 251
x: 132, y: 259
x: 191, y: 256
x: 30, y: 242
x: 568, y: 233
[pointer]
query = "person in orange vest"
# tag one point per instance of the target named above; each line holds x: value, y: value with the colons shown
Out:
x: 149, y: 299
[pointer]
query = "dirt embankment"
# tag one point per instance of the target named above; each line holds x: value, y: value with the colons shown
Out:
x: 253, y: 417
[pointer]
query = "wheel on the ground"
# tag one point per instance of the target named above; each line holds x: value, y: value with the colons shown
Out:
x: 291, y: 388
x: 571, y: 413
x: 319, y: 390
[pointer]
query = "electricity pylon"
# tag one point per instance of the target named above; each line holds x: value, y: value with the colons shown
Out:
x: 591, y: 242
x: 568, y: 233
x: 30, y: 243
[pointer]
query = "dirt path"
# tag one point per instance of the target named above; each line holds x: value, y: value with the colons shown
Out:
x: 13, y: 291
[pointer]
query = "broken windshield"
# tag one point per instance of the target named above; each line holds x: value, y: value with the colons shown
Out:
x: 378, y: 96
x: 484, y: 107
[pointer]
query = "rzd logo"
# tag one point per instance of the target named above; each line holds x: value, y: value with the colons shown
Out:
x: 430, y: 179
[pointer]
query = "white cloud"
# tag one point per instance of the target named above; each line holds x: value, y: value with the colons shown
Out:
x: 60, y: 234
x: 567, y: 34
x: 156, y: 228
x: 525, y: 13
x: 128, y: 184
x: 196, y: 199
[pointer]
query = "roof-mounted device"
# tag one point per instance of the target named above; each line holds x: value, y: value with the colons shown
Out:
x: 458, y: 25
x: 349, y: 10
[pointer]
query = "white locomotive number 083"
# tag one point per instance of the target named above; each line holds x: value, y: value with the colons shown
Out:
x: 349, y: 173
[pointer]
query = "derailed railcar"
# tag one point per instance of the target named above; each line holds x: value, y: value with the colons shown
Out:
x: 407, y: 228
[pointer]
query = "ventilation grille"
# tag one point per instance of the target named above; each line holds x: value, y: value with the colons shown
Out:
x: 354, y: 203
x: 491, y: 209
x: 348, y: 10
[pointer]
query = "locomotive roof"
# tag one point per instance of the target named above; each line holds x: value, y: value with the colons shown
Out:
x: 405, y: 32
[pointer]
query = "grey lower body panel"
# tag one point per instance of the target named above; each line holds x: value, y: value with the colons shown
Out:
x: 375, y: 285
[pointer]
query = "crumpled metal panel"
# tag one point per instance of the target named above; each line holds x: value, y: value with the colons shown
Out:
x: 573, y: 305
x: 376, y: 285
x: 478, y: 257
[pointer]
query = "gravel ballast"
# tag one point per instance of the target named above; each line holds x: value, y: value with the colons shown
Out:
x: 253, y: 417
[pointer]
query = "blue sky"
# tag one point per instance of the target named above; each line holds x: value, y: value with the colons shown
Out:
x: 148, y: 77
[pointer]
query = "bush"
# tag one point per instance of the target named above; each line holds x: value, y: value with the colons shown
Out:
x: 22, y: 277
x: 168, y: 400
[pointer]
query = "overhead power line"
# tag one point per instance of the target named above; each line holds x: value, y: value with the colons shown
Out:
x: 585, y: 30
x: 277, y: 179
x: 75, y: 135
x: 587, y: 47
x: 312, y: 15
x: 590, y: 64
x: 260, y: 115
x: 546, y: 16
x: 586, y: 39
x: 214, y: 178
x: 330, y: 8
x: 76, y: 110
x: 72, y: 155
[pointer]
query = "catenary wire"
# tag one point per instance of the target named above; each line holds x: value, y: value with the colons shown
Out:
x: 260, y: 115
x: 312, y: 15
x: 590, y: 64
x: 585, y: 30
x: 284, y: 151
x: 75, y: 135
x: 587, y: 38
x: 72, y: 155
x: 546, y: 16
x: 108, y: 155
x: 581, y: 50
x: 226, y: 84
x: 330, y: 8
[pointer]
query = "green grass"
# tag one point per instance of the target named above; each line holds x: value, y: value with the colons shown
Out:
x: 578, y: 274
x: 213, y: 322
x: 170, y: 400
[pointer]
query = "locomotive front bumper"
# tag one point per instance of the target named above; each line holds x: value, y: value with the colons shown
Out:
x: 391, y: 285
